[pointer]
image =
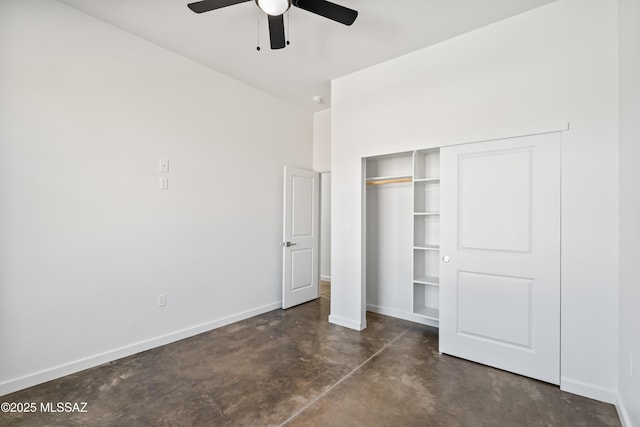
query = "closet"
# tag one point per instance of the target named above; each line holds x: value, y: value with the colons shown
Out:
x: 467, y: 238
x: 403, y: 235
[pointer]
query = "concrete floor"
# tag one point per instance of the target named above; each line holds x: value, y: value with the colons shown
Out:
x: 293, y: 368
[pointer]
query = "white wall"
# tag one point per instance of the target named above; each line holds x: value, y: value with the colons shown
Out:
x: 325, y: 226
x: 322, y: 141
x: 629, y: 33
x: 87, y: 240
x: 322, y: 163
x: 554, y: 64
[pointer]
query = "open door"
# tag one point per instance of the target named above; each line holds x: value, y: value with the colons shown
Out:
x: 500, y: 254
x: 300, y: 245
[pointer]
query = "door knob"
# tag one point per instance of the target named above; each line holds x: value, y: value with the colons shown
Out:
x: 445, y: 259
x: 287, y: 244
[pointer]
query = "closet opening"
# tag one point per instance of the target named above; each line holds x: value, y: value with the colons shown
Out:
x: 403, y: 235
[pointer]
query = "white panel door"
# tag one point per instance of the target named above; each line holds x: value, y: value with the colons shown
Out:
x: 500, y: 249
x: 300, y: 275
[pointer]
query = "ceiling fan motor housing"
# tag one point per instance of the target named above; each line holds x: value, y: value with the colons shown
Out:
x: 274, y: 7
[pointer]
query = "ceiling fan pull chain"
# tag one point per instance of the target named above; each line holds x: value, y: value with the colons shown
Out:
x: 258, y: 47
x: 288, y: 31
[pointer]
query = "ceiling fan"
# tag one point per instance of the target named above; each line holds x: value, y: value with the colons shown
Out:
x: 275, y: 10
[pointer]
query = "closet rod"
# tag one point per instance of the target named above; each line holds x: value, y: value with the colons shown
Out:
x: 389, y: 181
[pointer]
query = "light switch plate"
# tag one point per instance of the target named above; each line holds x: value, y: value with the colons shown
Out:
x: 164, y: 183
x: 164, y: 166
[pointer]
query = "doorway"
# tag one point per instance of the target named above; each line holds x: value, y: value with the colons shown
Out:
x: 325, y: 233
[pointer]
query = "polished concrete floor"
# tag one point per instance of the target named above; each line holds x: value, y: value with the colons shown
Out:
x: 293, y: 368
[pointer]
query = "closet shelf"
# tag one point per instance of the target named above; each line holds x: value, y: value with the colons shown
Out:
x: 427, y: 280
x: 427, y: 248
x: 391, y: 179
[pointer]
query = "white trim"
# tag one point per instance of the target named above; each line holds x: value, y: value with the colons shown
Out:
x: 347, y: 323
x: 118, y: 353
x: 402, y: 315
x: 588, y: 390
x: 625, y: 420
x: 473, y: 136
x: 325, y: 278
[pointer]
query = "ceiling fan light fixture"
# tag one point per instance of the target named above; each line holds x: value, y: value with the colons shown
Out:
x: 274, y: 7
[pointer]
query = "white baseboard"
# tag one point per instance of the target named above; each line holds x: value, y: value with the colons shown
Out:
x: 625, y: 420
x: 588, y: 390
x: 45, y: 375
x: 402, y: 315
x: 325, y: 278
x: 347, y: 323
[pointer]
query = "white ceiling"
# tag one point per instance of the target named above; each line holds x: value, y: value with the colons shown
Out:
x: 225, y: 40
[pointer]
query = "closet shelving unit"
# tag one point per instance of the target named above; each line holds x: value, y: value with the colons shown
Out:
x: 426, y: 233
x: 403, y: 235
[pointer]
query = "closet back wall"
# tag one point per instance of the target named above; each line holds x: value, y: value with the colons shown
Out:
x: 87, y: 240
x: 553, y: 64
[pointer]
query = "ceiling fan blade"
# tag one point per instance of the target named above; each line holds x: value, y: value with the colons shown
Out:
x: 207, y: 5
x: 333, y: 11
x: 276, y: 31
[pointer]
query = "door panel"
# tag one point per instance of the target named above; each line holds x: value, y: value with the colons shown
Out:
x: 300, y: 274
x: 509, y: 323
x: 302, y: 204
x: 301, y: 268
x: 503, y: 175
x: 500, y: 229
